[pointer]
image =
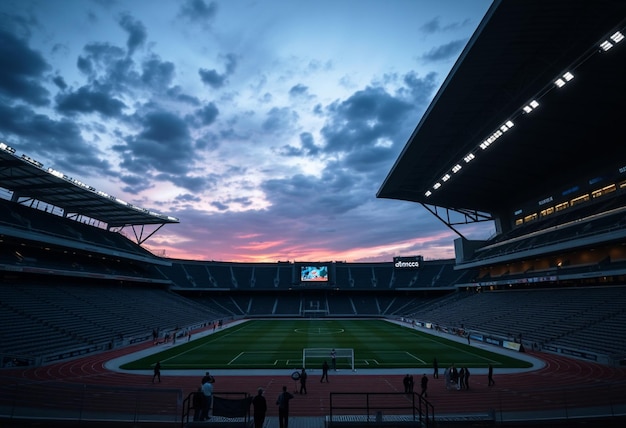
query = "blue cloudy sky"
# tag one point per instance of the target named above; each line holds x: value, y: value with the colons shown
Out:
x: 265, y: 126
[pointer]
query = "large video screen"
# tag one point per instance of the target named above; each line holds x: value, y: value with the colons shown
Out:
x: 313, y: 273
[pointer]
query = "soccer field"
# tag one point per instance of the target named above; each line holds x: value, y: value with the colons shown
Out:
x: 279, y: 344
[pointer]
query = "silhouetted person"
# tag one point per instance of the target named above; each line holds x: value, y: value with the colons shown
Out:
x: 207, y: 391
x: 303, y: 376
x: 424, y: 384
x: 324, y: 372
x: 435, y: 369
x: 157, y: 372
x: 490, y: 375
x: 260, y: 409
x: 207, y: 378
x: 283, y: 408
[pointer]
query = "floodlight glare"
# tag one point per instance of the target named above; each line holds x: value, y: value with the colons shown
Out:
x: 445, y: 177
x: 437, y: 185
x: 617, y: 37
x: 469, y: 157
x: 428, y: 193
x: 456, y: 168
x: 55, y: 173
x: 606, y: 45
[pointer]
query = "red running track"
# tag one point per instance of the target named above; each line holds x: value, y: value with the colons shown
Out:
x: 562, y: 383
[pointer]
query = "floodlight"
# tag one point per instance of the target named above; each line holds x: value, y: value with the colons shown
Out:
x: 437, y: 185
x: 456, y: 168
x: 561, y: 81
x: 32, y: 161
x: 530, y: 106
x: 606, y: 45
x: 445, y: 177
x: 7, y: 148
x: 617, y: 37
x: 469, y: 157
x: 428, y: 193
x: 55, y: 172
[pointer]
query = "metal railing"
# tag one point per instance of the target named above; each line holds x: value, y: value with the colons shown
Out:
x: 379, y: 407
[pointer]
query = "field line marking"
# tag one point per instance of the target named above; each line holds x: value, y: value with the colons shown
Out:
x: 238, y: 355
x: 202, y: 345
x: 417, y: 358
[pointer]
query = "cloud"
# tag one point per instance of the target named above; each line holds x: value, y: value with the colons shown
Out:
x: 103, y: 60
x: 90, y: 100
x: 207, y: 114
x: 58, y: 142
x: 163, y: 144
x: 362, y: 119
x: 215, y: 79
x: 157, y: 74
x: 283, y: 162
x: 198, y: 11
x: 137, y: 33
x: 445, y: 52
x: 434, y: 26
x: 280, y: 119
x: 299, y: 91
x: 22, y: 71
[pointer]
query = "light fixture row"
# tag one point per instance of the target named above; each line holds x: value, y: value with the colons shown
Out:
x: 531, y: 106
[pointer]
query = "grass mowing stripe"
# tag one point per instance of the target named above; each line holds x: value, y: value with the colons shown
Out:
x: 279, y: 344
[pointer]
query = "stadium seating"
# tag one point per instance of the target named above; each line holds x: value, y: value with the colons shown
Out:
x: 42, y: 319
x: 582, y: 318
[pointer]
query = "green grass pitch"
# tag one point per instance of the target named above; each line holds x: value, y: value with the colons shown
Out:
x: 278, y: 344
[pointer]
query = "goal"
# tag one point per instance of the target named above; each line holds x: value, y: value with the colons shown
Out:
x: 315, y: 357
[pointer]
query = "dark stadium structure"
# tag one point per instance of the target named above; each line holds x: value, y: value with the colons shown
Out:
x: 523, y: 133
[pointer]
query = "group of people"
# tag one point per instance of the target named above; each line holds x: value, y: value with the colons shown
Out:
x: 457, y: 378
x: 259, y: 404
x: 203, y: 399
x: 409, y: 384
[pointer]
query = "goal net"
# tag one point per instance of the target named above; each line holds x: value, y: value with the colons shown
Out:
x: 315, y: 357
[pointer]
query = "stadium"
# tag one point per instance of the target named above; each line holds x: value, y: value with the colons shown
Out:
x: 522, y: 133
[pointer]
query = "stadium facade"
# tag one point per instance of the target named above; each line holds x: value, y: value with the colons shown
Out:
x: 522, y: 133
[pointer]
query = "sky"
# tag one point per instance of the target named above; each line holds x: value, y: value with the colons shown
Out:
x: 265, y: 126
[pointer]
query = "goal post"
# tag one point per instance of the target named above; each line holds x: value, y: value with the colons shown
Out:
x: 315, y: 357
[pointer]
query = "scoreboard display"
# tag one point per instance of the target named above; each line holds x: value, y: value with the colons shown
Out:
x: 314, y: 273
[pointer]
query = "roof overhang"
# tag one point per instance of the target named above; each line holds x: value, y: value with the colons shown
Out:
x: 514, y: 57
x: 27, y: 179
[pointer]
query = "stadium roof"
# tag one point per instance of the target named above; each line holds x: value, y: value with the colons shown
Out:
x: 515, y: 56
x: 28, y: 179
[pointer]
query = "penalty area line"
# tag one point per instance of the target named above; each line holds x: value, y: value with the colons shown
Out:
x: 415, y: 357
x: 237, y: 356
